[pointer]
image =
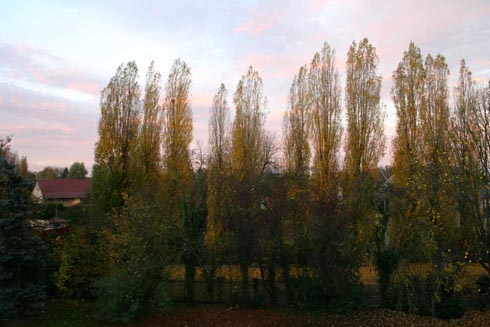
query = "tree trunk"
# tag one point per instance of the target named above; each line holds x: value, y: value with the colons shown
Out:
x: 190, y: 283
x: 271, y: 281
x: 245, y: 281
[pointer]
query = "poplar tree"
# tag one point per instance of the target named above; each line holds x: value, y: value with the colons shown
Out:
x: 296, y: 124
x: 178, y: 178
x: 365, y: 142
x: 325, y: 120
x: 218, y: 165
x: 247, y: 163
x: 177, y: 136
x: 434, y: 118
x: 470, y: 145
x: 150, y: 137
x: 118, y: 132
x: 217, y: 227
x: 408, y: 229
x: 408, y: 95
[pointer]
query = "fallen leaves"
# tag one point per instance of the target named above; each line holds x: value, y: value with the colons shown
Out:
x: 226, y: 316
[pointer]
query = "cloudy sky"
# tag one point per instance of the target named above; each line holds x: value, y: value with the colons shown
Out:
x: 56, y: 56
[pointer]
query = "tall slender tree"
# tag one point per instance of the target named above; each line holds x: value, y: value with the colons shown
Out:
x: 217, y: 229
x: 118, y: 131
x: 296, y: 124
x: 365, y: 142
x: 247, y: 164
x: 325, y: 120
x: 218, y: 165
x: 408, y: 94
x: 149, y: 144
x: 177, y: 136
x: 435, y: 148
x: 466, y: 176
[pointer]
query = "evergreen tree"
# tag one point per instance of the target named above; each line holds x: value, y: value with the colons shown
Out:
x: 21, y: 254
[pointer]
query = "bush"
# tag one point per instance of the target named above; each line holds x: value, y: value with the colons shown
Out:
x: 483, y: 285
x: 321, y: 293
x: 77, y: 261
x: 410, y: 292
x: 450, y: 307
x: 416, y: 288
x: 51, y: 210
x: 386, y: 261
x: 120, y: 298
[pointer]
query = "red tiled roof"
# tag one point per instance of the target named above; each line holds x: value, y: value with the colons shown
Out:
x: 64, y: 188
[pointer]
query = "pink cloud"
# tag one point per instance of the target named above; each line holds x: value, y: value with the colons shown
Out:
x: 256, y: 26
x: 261, y: 20
x: 317, y: 5
x: 272, y: 66
x: 481, y: 79
x: 85, y: 87
x: 16, y: 128
x: 24, y: 62
x: 33, y: 106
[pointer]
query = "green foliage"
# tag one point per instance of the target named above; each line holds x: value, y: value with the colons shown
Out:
x: 79, y: 261
x: 450, y: 307
x: 51, y: 210
x: 77, y: 170
x: 50, y: 173
x: 419, y: 289
x: 22, y: 288
x: 123, y: 296
x: 321, y: 293
x: 136, y: 250
x: 63, y: 312
x: 483, y: 285
x: 76, y: 259
x: 386, y: 261
x: 106, y: 190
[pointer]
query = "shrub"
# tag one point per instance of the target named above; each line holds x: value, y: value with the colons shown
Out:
x: 78, y: 261
x: 483, y: 285
x: 121, y: 297
x: 386, y: 261
x: 450, y: 307
x: 322, y: 292
x: 417, y: 288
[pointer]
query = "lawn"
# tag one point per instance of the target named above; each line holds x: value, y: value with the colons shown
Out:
x: 74, y: 314
x: 59, y: 313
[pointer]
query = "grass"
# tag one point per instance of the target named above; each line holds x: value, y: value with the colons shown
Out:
x: 59, y: 313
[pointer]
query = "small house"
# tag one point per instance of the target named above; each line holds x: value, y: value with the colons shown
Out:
x: 69, y: 192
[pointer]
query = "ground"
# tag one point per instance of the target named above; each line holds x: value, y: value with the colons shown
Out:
x: 76, y: 314
x: 207, y: 316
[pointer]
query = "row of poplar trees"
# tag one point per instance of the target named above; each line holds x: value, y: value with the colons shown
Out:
x: 305, y: 217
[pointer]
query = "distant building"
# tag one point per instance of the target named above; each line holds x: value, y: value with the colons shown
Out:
x: 69, y: 192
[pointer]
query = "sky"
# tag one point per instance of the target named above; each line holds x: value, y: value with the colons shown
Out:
x: 56, y: 56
